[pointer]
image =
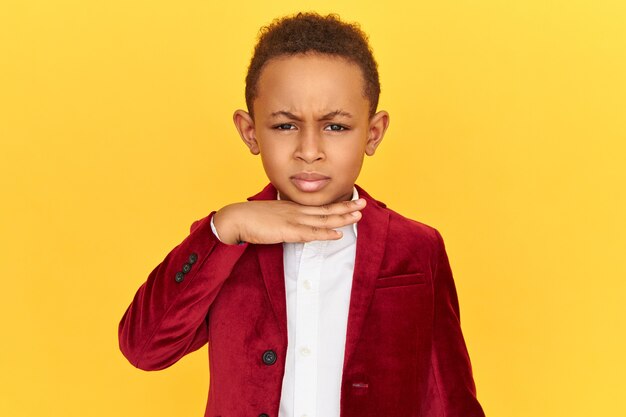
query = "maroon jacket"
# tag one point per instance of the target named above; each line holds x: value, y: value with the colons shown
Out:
x: 405, y: 354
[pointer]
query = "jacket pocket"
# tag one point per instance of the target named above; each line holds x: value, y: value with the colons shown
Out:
x: 401, y: 280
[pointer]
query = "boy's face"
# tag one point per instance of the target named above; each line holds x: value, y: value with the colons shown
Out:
x: 312, y: 127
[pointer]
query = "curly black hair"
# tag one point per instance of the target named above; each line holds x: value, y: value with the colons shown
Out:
x: 312, y: 32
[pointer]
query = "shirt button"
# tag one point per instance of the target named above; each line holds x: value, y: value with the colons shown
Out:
x: 307, y: 284
x: 305, y: 351
x: 186, y: 268
x: 269, y: 357
x: 179, y: 276
x: 263, y: 415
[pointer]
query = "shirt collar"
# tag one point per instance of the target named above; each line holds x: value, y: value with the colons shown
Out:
x: 355, y: 196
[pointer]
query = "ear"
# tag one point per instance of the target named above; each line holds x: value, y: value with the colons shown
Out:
x: 376, y: 131
x: 245, y: 126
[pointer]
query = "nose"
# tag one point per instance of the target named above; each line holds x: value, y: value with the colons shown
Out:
x: 310, y: 147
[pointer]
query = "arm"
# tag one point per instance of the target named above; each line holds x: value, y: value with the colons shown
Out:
x: 166, y: 319
x: 450, y: 390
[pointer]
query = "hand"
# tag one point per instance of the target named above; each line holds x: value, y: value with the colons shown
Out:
x: 275, y: 221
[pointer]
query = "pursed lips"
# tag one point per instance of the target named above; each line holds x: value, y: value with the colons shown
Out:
x: 309, y: 181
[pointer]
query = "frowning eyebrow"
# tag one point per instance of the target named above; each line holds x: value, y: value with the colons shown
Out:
x: 327, y: 116
x: 334, y: 114
x: 286, y: 114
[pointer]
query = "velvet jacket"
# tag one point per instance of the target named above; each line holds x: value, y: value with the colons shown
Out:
x: 405, y: 354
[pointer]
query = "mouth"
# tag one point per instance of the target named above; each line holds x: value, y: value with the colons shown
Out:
x: 309, y: 182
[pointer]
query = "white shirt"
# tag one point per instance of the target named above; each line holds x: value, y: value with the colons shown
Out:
x: 318, y: 283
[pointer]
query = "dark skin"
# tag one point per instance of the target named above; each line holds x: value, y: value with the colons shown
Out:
x: 312, y: 128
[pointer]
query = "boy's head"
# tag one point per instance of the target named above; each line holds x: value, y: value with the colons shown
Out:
x: 312, y: 33
x: 312, y: 91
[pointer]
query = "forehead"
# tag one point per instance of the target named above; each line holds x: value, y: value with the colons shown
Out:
x: 310, y: 83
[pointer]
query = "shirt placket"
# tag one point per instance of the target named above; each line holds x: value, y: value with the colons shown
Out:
x: 307, y: 321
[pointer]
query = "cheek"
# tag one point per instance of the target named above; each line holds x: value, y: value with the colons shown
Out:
x: 274, y: 154
x: 349, y: 153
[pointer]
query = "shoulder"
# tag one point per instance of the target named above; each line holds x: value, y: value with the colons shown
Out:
x: 402, y: 229
x: 400, y: 221
x: 410, y: 231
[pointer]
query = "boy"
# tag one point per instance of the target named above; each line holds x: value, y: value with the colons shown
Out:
x: 315, y: 299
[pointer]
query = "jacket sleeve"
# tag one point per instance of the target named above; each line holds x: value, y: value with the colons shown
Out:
x: 450, y: 389
x: 167, y: 317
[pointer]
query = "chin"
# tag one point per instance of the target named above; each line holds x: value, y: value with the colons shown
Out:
x: 318, y: 198
x: 314, y: 200
x: 306, y: 199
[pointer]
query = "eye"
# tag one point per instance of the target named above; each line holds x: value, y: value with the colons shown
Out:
x: 335, y: 128
x: 284, y: 126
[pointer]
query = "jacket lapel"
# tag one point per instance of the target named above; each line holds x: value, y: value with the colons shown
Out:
x: 271, y: 263
x: 370, y: 248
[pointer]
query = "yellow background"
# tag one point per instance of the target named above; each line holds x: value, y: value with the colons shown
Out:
x: 507, y: 134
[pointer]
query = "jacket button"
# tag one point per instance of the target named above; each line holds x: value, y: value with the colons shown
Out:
x: 186, y: 268
x: 269, y: 357
x: 179, y: 277
x: 263, y: 415
x: 193, y: 258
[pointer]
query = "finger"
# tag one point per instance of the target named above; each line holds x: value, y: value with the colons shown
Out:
x: 341, y: 207
x: 304, y: 233
x: 330, y: 221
